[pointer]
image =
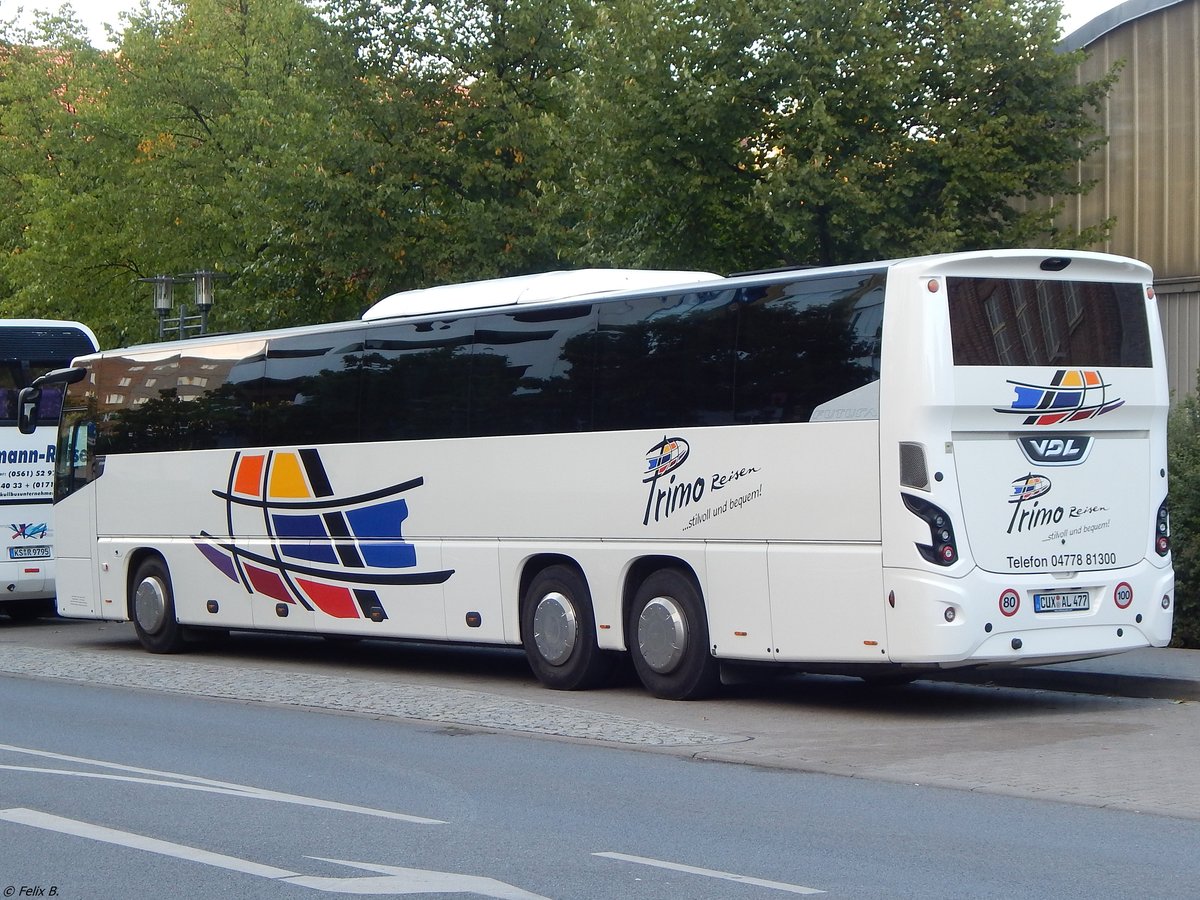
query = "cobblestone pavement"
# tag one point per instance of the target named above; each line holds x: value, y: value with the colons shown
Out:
x: 472, y: 709
x: 1126, y: 753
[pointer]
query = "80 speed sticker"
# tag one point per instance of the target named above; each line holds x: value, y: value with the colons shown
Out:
x: 1010, y: 602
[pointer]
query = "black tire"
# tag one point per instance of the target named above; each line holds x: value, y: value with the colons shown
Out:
x: 152, y: 608
x: 668, y: 638
x: 558, y: 631
x: 28, y: 610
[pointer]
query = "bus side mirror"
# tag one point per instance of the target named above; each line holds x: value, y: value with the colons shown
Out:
x: 27, y: 406
x: 28, y: 398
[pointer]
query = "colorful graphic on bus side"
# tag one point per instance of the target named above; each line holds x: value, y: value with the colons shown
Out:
x: 1071, y: 396
x: 323, y: 551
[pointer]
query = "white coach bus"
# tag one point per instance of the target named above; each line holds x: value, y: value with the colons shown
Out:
x: 30, y: 348
x: 873, y: 469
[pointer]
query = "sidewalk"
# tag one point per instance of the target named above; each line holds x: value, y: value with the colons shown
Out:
x: 1149, y: 673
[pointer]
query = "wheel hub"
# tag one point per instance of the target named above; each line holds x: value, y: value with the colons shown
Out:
x: 150, y: 605
x: 555, y: 628
x: 662, y: 634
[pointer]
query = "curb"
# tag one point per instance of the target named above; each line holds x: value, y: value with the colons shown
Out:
x: 1142, y: 687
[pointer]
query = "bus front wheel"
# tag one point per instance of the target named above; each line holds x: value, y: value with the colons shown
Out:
x: 558, y: 631
x: 668, y: 638
x: 152, y: 608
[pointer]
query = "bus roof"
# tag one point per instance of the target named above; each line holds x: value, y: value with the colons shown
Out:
x: 584, y: 284
x: 25, y: 339
x: 539, y: 288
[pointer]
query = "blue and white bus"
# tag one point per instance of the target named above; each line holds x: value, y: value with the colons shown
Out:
x: 876, y: 469
x: 30, y: 348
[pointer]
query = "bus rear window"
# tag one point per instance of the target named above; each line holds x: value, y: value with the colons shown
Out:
x: 1026, y: 322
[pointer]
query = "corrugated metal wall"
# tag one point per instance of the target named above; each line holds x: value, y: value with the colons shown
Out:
x: 1180, y: 313
x: 1148, y: 177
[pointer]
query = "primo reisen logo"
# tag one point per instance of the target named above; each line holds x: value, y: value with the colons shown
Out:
x: 662, y: 460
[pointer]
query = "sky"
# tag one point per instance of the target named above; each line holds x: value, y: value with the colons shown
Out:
x: 96, y: 12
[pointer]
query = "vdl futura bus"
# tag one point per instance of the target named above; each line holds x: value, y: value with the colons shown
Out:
x: 872, y: 469
x: 30, y: 348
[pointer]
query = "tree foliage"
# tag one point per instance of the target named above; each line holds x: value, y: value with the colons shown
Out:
x: 324, y: 156
x: 1184, y: 455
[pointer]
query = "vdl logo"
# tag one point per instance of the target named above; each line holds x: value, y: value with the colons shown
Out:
x: 1059, y: 450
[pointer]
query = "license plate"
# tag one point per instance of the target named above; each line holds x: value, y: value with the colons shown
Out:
x: 1073, y: 601
x: 28, y: 552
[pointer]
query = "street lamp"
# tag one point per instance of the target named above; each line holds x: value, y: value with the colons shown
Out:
x: 182, y: 325
x: 202, y: 279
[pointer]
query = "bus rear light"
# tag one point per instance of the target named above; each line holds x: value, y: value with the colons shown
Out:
x: 1166, y: 601
x: 1162, y: 530
x: 942, y: 549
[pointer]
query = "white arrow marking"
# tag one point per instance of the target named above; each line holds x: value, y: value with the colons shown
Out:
x: 712, y: 873
x: 195, y: 783
x: 395, y: 880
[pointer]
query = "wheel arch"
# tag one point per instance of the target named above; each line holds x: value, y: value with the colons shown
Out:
x: 641, y: 569
x: 536, y: 564
x: 133, y: 562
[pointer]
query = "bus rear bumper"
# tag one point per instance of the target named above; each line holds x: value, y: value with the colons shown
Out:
x: 993, y: 619
x: 26, y: 579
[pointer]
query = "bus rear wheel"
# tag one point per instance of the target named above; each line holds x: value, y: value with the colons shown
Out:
x: 558, y: 631
x: 152, y: 608
x: 668, y: 638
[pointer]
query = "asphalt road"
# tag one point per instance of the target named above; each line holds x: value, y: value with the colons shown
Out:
x: 1123, y: 753
x: 132, y: 792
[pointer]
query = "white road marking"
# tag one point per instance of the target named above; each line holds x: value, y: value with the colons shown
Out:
x: 393, y: 880
x: 195, y: 783
x: 711, y: 873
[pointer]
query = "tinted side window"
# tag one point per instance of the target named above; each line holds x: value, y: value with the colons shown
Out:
x: 312, y: 390
x: 74, y: 461
x: 804, y: 343
x: 416, y: 378
x: 531, y: 371
x: 665, y: 362
x: 187, y: 401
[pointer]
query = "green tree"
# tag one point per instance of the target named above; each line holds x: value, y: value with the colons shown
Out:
x: 767, y: 132
x: 661, y: 169
x: 495, y: 78
x: 225, y: 134
x: 324, y: 157
x: 48, y: 74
